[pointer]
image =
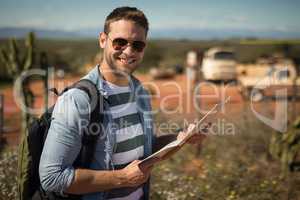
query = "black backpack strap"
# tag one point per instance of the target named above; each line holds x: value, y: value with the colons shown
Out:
x: 94, y: 128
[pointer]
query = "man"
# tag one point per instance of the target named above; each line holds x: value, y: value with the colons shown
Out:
x: 114, y: 172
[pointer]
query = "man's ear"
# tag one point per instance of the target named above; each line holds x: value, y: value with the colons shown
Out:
x: 102, y: 40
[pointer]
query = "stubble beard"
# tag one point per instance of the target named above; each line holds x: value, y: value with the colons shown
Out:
x: 118, y: 71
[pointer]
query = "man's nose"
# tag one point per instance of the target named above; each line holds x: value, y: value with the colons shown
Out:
x: 129, y: 50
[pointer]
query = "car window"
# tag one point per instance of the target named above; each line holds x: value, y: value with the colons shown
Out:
x: 283, y: 74
x: 224, y: 56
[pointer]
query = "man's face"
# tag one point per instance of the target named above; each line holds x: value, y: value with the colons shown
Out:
x: 125, y: 60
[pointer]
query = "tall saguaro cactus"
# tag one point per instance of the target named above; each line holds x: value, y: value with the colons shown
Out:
x: 16, y: 65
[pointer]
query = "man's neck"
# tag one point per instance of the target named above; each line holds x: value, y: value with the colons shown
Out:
x: 112, y: 77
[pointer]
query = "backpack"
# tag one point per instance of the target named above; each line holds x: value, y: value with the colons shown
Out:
x: 32, y: 144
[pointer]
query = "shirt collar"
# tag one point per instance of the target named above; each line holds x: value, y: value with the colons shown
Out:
x: 95, y: 76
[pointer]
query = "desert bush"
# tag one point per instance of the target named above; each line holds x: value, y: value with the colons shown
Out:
x: 8, y: 174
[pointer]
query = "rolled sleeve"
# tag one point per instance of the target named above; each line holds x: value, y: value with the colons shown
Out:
x: 62, y: 146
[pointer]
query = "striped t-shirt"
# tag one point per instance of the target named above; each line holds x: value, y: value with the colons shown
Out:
x: 129, y: 136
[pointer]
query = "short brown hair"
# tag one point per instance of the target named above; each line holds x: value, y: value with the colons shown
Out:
x: 126, y: 13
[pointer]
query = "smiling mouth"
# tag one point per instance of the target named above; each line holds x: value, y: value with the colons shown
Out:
x: 126, y: 61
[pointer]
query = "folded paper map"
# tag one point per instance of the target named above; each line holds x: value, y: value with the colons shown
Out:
x: 191, y: 130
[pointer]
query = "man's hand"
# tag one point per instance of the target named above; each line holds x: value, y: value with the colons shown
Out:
x: 135, y: 175
x: 90, y: 181
x: 197, y: 138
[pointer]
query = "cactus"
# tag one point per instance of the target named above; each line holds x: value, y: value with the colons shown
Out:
x: 286, y: 147
x: 15, y: 66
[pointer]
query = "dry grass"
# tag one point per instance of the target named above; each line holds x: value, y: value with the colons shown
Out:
x: 229, y: 167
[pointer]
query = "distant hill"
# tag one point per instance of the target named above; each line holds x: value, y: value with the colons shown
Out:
x: 221, y: 34
x: 172, y: 33
x: 41, y: 33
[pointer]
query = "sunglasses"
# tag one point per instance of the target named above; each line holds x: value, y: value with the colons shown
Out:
x: 121, y: 44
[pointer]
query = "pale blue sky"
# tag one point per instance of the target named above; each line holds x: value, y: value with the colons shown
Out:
x: 257, y: 15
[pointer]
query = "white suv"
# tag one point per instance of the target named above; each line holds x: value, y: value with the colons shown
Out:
x: 219, y: 64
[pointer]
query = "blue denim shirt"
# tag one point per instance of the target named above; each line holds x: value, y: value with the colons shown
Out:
x: 63, y: 142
